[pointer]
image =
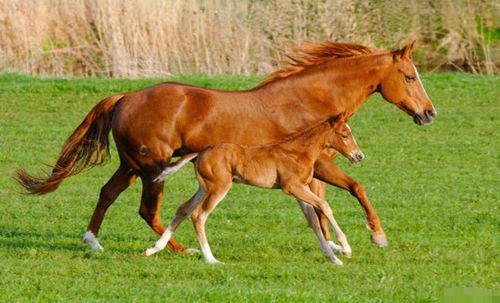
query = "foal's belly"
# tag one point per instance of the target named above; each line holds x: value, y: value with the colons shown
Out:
x: 267, y: 180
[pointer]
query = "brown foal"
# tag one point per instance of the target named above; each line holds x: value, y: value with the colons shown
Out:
x: 286, y: 165
x: 152, y: 125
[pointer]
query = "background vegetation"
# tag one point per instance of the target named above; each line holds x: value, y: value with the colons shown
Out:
x: 148, y: 38
x: 434, y: 187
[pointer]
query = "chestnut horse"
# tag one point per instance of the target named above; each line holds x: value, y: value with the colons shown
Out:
x: 152, y: 125
x: 287, y: 165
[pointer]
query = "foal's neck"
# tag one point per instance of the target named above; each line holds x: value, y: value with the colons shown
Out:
x: 311, y: 141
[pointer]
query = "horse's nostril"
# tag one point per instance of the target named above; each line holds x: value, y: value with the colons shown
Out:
x: 430, y: 113
x: 360, y: 156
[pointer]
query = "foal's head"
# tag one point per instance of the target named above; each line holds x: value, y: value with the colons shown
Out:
x: 342, y: 139
x: 402, y: 87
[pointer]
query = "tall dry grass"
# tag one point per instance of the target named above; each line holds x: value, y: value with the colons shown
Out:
x: 129, y: 38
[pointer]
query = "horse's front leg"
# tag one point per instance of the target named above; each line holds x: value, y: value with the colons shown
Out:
x: 329, y: 172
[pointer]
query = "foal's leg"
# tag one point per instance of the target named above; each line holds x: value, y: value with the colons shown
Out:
x: 319, y: 188
x: 327, y: 171
x: 152, y: 193
x: 317, y: 221
x: 182, y: 212
x: 120, y: 180
x: 328, y: 251
x: 215, y: 194
x: 305, y: 194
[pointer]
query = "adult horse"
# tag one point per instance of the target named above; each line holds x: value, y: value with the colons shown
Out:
x: 152, y: 125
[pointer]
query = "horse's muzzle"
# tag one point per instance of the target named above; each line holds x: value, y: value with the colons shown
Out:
x: 425, y: 118
x: 357, y: 157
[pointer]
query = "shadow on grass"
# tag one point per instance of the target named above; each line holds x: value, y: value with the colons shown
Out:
x: 61, y: 241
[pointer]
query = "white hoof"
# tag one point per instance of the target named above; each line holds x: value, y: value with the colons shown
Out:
x: 152, y: 250
x: 215, y: 261
x: 192, y: 251
x: 347, y: 253
x: 334, y: 260
x: 91, y: 241
x: 335, y: 248
x: 380, y: 239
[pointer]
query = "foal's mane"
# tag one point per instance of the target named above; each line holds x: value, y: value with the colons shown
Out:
x: 314, y: 53
x: 300, y: 133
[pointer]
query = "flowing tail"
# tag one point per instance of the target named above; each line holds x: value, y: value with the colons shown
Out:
x: 88, y: 146
x: 172, y: 168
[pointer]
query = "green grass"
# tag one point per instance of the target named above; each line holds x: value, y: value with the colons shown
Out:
x: 436, y: 189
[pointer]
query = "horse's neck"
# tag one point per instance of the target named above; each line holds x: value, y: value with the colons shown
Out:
x: 324, y: 91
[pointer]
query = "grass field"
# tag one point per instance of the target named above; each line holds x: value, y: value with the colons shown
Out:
x: 436, y: 189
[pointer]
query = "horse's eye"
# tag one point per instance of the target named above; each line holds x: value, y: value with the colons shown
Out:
x: 409, y: 78
x: 344, y: 136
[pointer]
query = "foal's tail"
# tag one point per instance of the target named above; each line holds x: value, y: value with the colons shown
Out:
x: 88, y: 146
x: 172, y: 168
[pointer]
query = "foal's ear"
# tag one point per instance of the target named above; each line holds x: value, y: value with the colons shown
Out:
x: 339, y: 119
x: 405, y: 52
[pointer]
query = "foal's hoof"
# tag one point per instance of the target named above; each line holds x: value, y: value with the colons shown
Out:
x: 380, y: 240
x: 217, y: 262
x: 335, y: 248
x: 191, y: 251
x: 334, y: 260
x: 148, y: 252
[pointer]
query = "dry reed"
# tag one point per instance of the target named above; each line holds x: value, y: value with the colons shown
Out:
x: 128, y: 38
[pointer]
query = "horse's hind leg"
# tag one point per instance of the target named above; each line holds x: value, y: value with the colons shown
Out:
x: 182, y: 212
x: 152, y: 193
x: 120, y: 180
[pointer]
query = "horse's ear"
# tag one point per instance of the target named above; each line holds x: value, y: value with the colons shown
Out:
x: 405, y: 52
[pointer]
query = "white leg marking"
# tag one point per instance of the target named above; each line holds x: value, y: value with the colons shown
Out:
x: 91, y: 241
x: 336, y: 248
x: 160, y: 244
x: 325, y: 247
x: 207, y: 254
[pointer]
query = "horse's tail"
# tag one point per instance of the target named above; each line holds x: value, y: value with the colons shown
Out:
x: 87, y: 146
x: 172, y: 168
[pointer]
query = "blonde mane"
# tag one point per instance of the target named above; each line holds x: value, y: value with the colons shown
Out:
x: 314, y: 53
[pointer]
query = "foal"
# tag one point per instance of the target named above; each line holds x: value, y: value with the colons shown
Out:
x: 287, y: 165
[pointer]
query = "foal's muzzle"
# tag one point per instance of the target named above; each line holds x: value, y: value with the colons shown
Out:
x: 425, y: 118
x: 356, y: 157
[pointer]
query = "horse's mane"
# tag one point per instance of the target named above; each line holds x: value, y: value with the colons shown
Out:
x: 314, y: 53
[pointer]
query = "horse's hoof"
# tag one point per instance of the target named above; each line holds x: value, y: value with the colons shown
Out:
x: 191, y: 251
x: 92, y: 242
x: 380, y: 240
x: 215, y: 261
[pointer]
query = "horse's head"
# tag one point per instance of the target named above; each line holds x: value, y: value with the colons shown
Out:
x: 402, y: 87
x: 342, y: 139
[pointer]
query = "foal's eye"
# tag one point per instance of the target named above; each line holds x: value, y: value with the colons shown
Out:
x: 409, y: 78
x: 344, y: 136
